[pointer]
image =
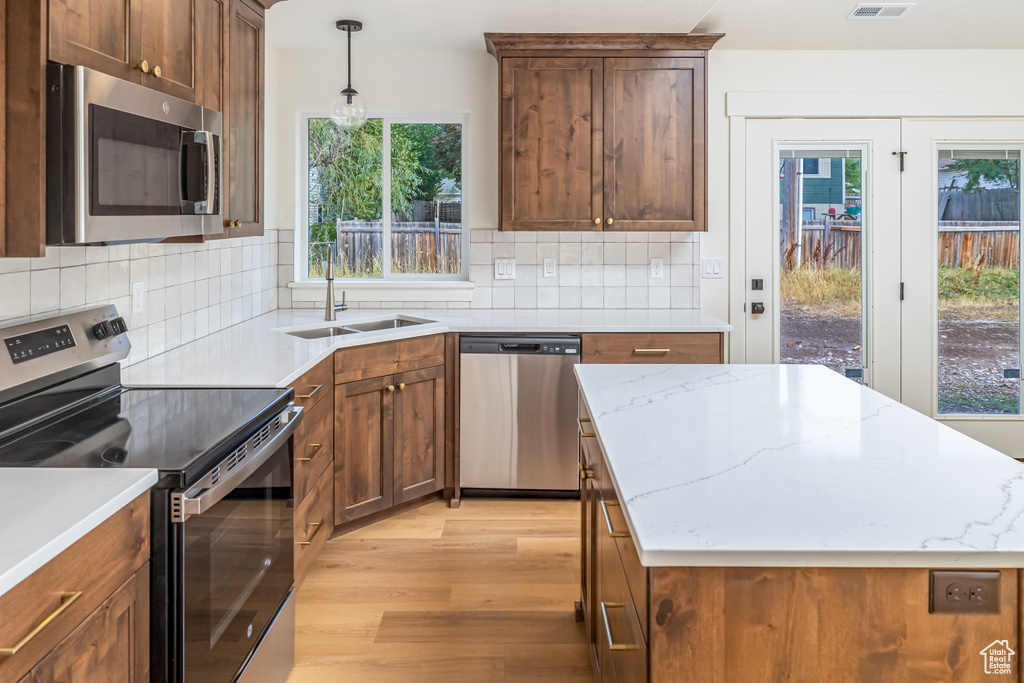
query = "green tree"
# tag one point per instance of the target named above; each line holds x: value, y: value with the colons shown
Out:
x: 438, y: 148
x: 852, y: 176
x: 997, y: 171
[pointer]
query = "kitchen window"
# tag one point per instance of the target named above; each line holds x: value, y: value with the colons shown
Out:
x: 388, y: 198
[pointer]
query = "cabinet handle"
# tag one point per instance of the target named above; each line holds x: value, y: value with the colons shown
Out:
x: 67, y: 599
x: 401, y: 386
x: 311, y: 394
x: 157, y: 71
x: 318, y: 525
x: 610, y: 221
x: 612, y: 645
x: 597, y: 221
x: 143, y: 66
x: 391, y: 387
x: 583, y: 434
x: 586, y: 472
x: 237, y: 223
x: 316, y: 449
x: 651, y: 350
x: 229, y: 224
x: 607, y: 520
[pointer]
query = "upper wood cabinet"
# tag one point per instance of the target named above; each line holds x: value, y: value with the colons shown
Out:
x: 152, y: 42
x: 602, y: 131
x: 243, y: 121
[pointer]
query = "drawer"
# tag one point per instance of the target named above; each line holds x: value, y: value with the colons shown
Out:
x: 621, y: 640
x: 68, y: 588
x: 314, y: 447
x: 314, y: 522
x: 635, y: 573
x: 671, y: 347
x: 315, y: 385
x: 377, y: 360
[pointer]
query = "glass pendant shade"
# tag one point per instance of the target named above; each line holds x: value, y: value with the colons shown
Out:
x: 348, y: 110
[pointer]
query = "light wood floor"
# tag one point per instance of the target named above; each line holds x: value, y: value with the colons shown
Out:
x: 482, y: 593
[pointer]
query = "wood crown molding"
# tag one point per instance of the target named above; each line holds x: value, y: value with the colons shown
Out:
x: 500, y: 43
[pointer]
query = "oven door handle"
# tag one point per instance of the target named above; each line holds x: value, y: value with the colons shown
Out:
x: 204, y: 495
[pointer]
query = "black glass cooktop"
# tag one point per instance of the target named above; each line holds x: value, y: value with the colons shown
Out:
x: 174, y: 430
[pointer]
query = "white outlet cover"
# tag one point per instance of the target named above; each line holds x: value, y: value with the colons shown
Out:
x: 657, y: 268
x: 550, y: 269
x: 138, y: 297
x: 711, y: 269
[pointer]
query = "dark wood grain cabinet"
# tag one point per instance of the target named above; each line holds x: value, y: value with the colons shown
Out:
x: 602, y: 132
x: 152, y: 42
x: 389, y: 429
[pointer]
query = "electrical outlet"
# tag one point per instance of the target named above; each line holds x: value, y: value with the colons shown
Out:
x: 138, y: 297
x: 504, y: 269
x: 657, y: 268
x: 964, y: 593
x: 549, y: 267
x: 711, y: 269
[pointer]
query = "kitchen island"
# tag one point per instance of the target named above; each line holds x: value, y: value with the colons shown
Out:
x: 770, y: 523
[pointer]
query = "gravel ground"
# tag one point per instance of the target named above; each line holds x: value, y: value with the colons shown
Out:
x: 972, y: 356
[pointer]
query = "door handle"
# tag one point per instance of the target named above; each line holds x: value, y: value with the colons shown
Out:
x: 757, y: 308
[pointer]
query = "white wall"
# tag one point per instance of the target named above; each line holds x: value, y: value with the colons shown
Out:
x: 595, y: 270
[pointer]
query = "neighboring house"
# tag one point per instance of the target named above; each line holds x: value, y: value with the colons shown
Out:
x: 824, y: 187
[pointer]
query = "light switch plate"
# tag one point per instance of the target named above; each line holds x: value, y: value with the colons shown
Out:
x: 657, y: 268
x: 549, y: 267
x: 138, y: 297
x: 504, y: 269
x: 711, y: 269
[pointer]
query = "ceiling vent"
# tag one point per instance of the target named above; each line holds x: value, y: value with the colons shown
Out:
x: 880, y: 10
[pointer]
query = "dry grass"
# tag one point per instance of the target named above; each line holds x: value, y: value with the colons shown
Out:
x: 826, y: 290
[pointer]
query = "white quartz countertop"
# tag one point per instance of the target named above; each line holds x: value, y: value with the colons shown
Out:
x: 747, y: 465
x: 256, y: 353
x: 45, y: 510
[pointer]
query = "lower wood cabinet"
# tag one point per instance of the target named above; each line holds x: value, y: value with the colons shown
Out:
x: 656, y: 347
x: 389, y: 433
x: 314, y: 522
x: 94, y: 601
x: 112, y: 645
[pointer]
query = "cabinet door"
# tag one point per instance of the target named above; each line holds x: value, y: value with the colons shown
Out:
x: 111, y: 645
x: 419, y: 433
x: 169, y: 42
x: 551, y: 167
x: 99, y: 34
x: 654, y: 141
x: 364, y: 448
x: 243, y: 121
x: 211, y: 49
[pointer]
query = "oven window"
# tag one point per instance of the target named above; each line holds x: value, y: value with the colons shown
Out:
x: 237, y: 569
x: 135, y: 165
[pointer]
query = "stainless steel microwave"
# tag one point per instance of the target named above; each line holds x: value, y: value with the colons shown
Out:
x: 127, y: 164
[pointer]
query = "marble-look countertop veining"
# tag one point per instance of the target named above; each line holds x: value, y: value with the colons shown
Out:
x: 57, y: 507
x: 762, y: 465
x: 256, y: 353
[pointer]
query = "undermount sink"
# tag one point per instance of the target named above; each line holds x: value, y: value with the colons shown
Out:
x: 337, y: 330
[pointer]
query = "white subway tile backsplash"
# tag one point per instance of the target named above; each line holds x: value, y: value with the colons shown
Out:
x: 525, y: 254
x: 97, y: 282
x: 45, y: 291
x: 614, y: 254
x: 16, y: 288
x: 570, y: 253
x: 549, y: 297
x: 636, y: 254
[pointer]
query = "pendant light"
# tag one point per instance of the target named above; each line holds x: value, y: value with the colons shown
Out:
x: 348, y: 110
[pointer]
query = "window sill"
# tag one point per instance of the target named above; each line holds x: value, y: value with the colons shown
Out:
x: 392, y: 291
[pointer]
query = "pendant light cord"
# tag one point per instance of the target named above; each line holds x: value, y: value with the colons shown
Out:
x: 349, y: 86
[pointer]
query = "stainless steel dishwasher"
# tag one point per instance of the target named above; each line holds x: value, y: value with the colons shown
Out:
x: 518, y: 432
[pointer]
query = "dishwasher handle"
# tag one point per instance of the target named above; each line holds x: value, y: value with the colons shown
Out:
x: 518, y: 347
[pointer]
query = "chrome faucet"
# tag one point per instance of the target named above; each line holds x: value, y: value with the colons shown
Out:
x: 330, y: 308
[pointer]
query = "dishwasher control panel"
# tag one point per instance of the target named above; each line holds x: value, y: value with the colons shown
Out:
x: 540, y: 346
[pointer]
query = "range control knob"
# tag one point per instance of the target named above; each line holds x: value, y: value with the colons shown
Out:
x: 101, y: 330
x: 118, y: 326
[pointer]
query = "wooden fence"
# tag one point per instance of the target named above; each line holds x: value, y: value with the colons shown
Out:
x: 420, y: 247
x: 994, y: 244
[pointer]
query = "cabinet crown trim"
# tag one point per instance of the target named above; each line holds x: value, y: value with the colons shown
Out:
x: 499, y: 44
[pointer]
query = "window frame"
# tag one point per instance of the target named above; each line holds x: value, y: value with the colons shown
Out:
x: 389, y: 118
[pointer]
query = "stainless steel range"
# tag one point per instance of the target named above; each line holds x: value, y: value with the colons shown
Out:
x: 222, y: 546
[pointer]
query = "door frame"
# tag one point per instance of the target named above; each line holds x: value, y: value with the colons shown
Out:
x: 741, y: 105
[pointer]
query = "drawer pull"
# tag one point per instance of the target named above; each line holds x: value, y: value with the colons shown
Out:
x: 584, y: 434
x: 401, y: 386
x: 67, y: 599
x: 390, y: 387
x: 311, y: 394
x: 607, y: 520
x: 316, y: 449
x: 612, y: 645
x: 586, y: 472
x: 318, y: 525
x: 651, y: 350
